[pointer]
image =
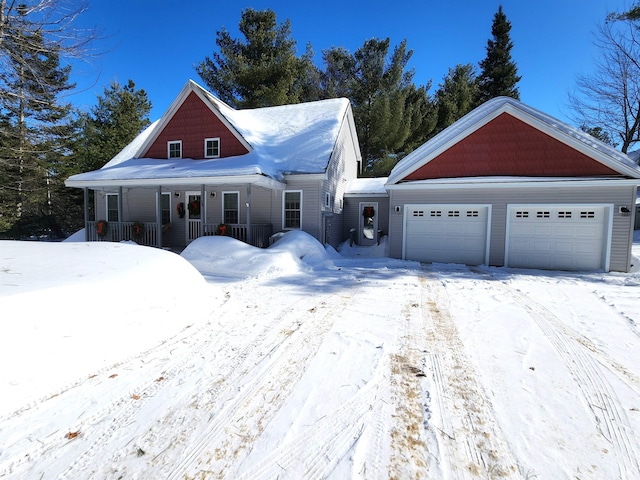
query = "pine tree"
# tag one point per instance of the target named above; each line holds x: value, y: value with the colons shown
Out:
x: 456, y: 96
x: 499, y: 74
x: 261, y: 70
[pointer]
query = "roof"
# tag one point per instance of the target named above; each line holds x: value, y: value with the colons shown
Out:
x: 367, y: 187
x: 287, y: 139
x: 490, y: 110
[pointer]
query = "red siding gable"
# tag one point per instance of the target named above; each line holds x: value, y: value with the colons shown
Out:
x: 192, y: 123
x: 507, y: 146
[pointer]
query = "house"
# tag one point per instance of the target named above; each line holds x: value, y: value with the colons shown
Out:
x: 507, y: 185
x: 205, y: 168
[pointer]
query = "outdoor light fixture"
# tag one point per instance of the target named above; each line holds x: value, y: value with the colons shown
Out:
x: 212, y: 194
x: 176, y: 194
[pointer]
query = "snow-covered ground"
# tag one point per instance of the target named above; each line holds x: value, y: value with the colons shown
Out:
x: 121, y: 361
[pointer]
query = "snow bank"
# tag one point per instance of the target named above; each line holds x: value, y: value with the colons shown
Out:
x: 64, y: 310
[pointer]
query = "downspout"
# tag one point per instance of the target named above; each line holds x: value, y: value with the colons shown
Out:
x: 159, y: 217
x: 249, y: 238
x: 86, y: 214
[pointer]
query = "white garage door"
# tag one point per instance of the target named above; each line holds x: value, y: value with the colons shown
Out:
x: 565, y: 237
x: 447, y: 233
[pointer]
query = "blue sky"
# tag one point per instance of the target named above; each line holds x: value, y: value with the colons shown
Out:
x: 157, y: 43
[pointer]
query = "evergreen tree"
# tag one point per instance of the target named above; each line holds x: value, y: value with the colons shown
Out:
x: 261, y: 70
x: 36, y: 127
x: 499, y: 74
x: 121, y: 114
x: 456, y: 96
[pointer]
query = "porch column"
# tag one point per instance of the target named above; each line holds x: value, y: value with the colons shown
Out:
x: 159, y: 217
x: 203, y: 210
x: 86, y: 214
x: 120, y: 219
x: 249, y: 237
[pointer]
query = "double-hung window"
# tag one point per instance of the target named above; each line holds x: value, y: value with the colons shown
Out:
x: 292, y: 209
x: 112, y: 207
x: 231, y: 207
x: 174, y: 149
x: 211, y: 148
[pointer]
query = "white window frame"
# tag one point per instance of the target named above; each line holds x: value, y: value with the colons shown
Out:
x: 327, y: 200
x: 224, y: 194
x: 173, y: 142
x: 284, y: 196
x: 106, y: 199
x: 206, y: 140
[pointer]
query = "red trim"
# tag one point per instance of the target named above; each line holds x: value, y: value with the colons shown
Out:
x: 507, y: 146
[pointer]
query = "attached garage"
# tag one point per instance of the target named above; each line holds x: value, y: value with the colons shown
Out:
x: 547, y: 195
x: 447, y: 233
x: 558, y: 237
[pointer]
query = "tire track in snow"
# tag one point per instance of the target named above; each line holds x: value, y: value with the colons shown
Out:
x: 246, y: 414
x: 609, y: 415
x: 471, y: 443
x: 100, y: 427
x: 333, y: 437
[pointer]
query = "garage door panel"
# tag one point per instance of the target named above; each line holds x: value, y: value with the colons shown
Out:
x: 447, y: 234
x: 557, y: 237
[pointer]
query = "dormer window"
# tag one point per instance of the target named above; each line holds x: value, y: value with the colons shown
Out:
x: 174, y: 149
x: 211, y: 148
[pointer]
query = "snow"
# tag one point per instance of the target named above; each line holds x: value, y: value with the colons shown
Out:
x: 296, y: 361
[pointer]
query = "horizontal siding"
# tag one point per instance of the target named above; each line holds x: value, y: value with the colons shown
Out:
x: 352, y: 213
x: 311, y: 214
x: 499, y: 198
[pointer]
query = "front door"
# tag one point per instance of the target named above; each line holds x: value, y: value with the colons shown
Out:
x: 368, y: 234
x: 194, y: 215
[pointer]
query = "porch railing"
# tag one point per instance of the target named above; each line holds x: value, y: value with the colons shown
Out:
x: 260, y: 233
x: 119, y: 231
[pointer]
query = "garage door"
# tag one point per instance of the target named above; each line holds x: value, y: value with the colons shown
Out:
x: 557, y: 237
x: 447, y: 233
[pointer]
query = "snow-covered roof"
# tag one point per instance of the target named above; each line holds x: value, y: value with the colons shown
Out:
x: 287, y: 139
x: 367, y: 186
x: 491, y: 109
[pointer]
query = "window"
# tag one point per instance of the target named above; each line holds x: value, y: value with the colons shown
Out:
x: 165, y: 208
x: 292, y: 209
x: 174, y: 149
x: 231, y: 207
x: 112, y: 207
x: 211, y: 148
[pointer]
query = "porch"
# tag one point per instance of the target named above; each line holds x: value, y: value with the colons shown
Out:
x: 146, y: 233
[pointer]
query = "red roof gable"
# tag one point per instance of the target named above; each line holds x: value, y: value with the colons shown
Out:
x: 507, y: 146
x: 192, y: 123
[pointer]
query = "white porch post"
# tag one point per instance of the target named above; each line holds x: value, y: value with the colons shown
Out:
x: 120, y: 219
x: 203, y: 212
x: 249, y: 238
x: 86, y: 214
x: 159, y: 217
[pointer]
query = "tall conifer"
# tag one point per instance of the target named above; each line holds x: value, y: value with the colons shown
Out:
x: 499, y: 74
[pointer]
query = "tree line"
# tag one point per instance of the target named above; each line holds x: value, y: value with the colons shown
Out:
x: 44, y: 140
x: 392, y: 114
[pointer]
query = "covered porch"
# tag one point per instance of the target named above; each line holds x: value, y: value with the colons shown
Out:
x: 176, y: 213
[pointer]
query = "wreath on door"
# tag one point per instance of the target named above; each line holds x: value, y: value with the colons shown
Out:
x: 368, y: 212
x: 180, y: 209
x: 194, y: 207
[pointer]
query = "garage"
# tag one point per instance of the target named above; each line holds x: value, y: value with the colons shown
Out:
x: 447, y: 233
x: 558, y: 237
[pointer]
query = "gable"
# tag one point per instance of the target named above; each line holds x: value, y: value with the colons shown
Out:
x: 507, y: 146
x: 192, y: 123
